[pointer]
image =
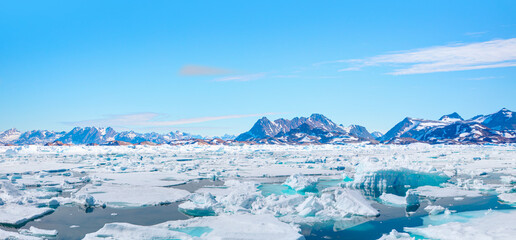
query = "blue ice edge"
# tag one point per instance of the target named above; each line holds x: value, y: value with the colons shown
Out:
x: 193, y: 231
x: 280, y: 189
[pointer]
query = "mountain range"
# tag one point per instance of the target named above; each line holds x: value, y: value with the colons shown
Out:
x: 499, y: 127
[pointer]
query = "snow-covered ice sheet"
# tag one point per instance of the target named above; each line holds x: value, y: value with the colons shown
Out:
x: 393, y: 235
x: 124, y: 195
x: 218, y: 227
x: 14, y: 214
x: 441, y: 192
x: 132, y: 176
x: 8, y: 235
x: 469, y: 225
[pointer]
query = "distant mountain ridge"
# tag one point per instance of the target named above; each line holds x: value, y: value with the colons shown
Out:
x: 91, y: 135
x: 315, y: 129
x: 499, y: 127
x: 496, y: 128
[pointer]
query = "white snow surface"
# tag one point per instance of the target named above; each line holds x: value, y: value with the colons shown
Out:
x: 217, y: 227
x: 33, y: 177
x: 492, y: 225
x: 124, y: 195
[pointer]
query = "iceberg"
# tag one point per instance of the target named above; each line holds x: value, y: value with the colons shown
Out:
x: 393, y: 178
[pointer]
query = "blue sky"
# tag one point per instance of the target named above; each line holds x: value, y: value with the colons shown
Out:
x: 215, y: 67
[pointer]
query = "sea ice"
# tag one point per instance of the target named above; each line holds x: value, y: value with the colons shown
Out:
x: 14, y: 214
x: 508, y: 197
x: 449, y: 191
x: 393, y: 235
x: 123, y: 195
x: 470, y: 225
x: 33, y: 231
x: 215, y: 227
x: 7, y: 235
x: 300, y: 182
x: 434, y: 209
x: 392, y: 199
x: 386, y: 178
x: 199, y: 204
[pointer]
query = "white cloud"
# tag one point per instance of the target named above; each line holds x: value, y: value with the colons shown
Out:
x: 240, y: 78
x: 459, y: 57
x: 150, y: 120
x: 198, y: 70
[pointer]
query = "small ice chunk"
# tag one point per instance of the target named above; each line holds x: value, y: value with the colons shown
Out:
x: 434, y: 209
x: 8, y: 235
x: 200, y: 204
x: 309, y: 207
x: 508, y: 197
x: 411, y: 198
x: 392, y: 199
x: 33, y: 231
x: 393, y: 235
x: 14, y: 214
x: 301, y: 182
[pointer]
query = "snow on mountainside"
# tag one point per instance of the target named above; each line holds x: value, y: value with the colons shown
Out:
x: 499, y: 127
x: 377, y: 134
x: 90, y: 135
x: 9, y: 135
x: 315, y: 129
x: 451, y: 117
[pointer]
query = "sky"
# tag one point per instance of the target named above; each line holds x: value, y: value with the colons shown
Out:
x: 215, y: 67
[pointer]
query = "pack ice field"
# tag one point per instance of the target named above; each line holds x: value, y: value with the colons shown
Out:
x: 354, y: 191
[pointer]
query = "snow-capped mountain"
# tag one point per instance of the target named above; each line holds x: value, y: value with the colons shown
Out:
x: 377, y: 135
x: 502, y: 120
x: 90, y: 135
x: 499, y: 127
x: 38, y: 137
x: 9, y: 135
x: 451, y: 117
x: 315, y: 129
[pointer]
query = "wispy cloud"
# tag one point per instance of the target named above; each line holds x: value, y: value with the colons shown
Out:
x: 198, y: 70
x: 152, y: 120
x: 240, y: 78
x: 482, y: 78
x: 458, y: 57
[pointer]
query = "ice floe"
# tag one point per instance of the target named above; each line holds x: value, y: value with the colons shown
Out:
x: 124, y: 195
x: 469, y: 225
x: 449, y: 191
x: 393, y: 235
x: 216, y: 227
x: 14, y: 214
